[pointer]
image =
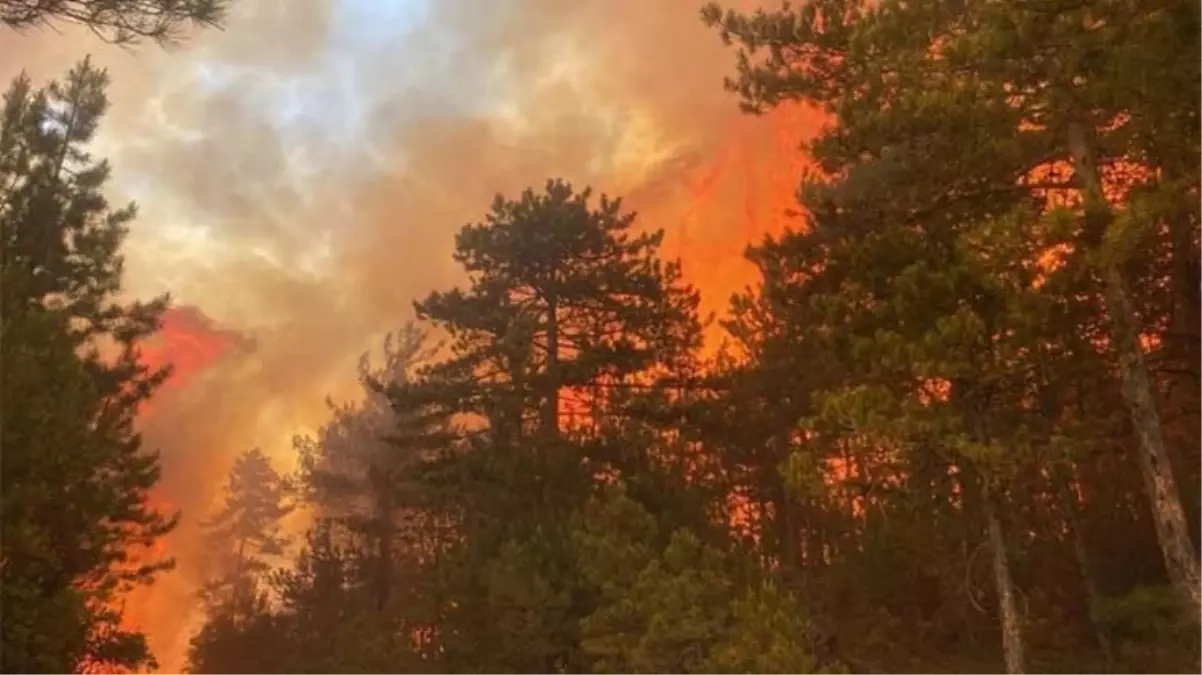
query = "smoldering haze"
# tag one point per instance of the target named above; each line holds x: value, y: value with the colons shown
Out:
x: 302, y: 173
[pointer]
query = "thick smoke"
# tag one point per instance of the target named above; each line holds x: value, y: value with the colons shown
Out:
x: 302, y: 173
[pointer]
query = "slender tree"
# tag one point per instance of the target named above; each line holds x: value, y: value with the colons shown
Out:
x: 245, y: 534
x: 66, y: 334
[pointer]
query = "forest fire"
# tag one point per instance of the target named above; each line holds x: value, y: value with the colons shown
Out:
x: 732, y: 184
x: 738, y: 193
x: 962, y: 401
x: 191, y: 344
x: 745, y: 190
x: 189, y: 341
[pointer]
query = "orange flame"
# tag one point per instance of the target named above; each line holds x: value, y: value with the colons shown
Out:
x: 192, y: 343
x: 189, y: 341
x: 748, y: 191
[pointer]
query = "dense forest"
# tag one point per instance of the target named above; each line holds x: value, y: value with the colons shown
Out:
x: 953, y: 427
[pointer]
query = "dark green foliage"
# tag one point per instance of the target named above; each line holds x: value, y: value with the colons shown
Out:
x: 567, y: 304
x: 229, y: 644
x: 671, y: 602
x: 77, y: 527
x: 1143, y: 613
x: 966, y: 145
x: 564, y: 300
x: 117, y: 21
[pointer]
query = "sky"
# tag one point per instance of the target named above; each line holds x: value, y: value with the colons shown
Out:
x: 301, y: 175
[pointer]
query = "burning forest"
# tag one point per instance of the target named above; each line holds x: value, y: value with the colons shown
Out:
x: 534, y: 336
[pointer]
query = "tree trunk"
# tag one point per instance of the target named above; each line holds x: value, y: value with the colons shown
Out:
x: 1065, y: 489
x: 1167, y: 512
x: 239, y: 602
x: 1013, y: 647
x: 786, y: 533
x: 1012, y: 634
x: 507, y: 416
x: 551, y: 411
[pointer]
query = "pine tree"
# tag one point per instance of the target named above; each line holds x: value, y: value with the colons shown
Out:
x: 119, y: 21
x: 564, y: 297
x: 70, y: 559
x: 246, y: 534
x: 567, y: 307
x: 48, y: 402
x: 361, y: 470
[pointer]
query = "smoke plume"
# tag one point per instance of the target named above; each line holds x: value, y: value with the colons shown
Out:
x: 301, y: 175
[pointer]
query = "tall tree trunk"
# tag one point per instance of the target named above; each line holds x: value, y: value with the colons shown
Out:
x: 1167, y: 511
x: 551, y: 411
x: 239, y: 601
x: 1067, y: 493
x: 1012, y: 634
x: 786, y: 532
x: 1013, y: 647
x: 1183, y: 347
x: 506, y: 418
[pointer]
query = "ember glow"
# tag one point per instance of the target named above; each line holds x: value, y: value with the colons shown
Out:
x: 302, y: 173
